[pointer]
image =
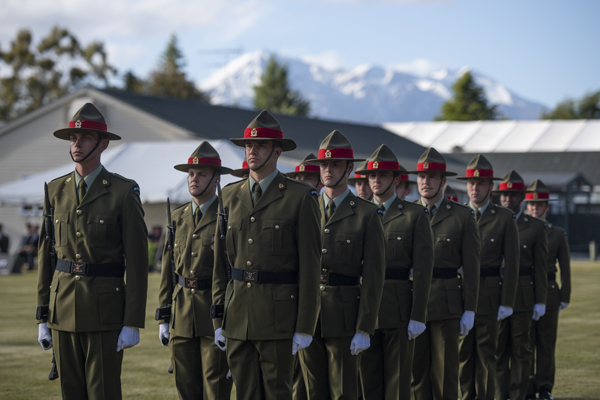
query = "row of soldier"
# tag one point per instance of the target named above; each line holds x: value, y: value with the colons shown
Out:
x: 323, y: 296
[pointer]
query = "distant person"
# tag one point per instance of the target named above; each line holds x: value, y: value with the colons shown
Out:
x: 154, y: 239
x: 403, y: 187
x: 4, y: 241
x: 361, y: 183
x: 27, y: 252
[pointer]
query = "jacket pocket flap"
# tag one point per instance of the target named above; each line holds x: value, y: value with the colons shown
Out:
x: 285, y: 292
x: 110, y: 286
x: 101, y: 219
x: 452, y: 284
x: 61, y: 217
x: 349, y: 293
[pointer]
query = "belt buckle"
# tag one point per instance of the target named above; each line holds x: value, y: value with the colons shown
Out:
x: 191, y: 283
x: 78, y: 268
x: 325, y: 278
x: 250, y: 276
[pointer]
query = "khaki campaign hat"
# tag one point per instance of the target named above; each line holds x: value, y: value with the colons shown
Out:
x: 353, y: 178
x: 512, y: 182
x: 242, y: 171
x: 538, y: 191
x: 265, y: 127
x: 432, y: 161
x: 204, y: 156
x: 87, y: 119
x: 479, y: 167
x: 305, y: 168
x: 383, y: 159
x: 335, y: 147
x: 450, y: 194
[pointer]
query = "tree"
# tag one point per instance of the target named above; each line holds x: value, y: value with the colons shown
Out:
x: 468, y: 103
x: 168, y: 79
x: 586, y: 108
x: 56, y: 66
x: 273, y: 92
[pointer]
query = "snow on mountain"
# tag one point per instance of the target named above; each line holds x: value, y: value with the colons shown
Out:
x: 365, y: 94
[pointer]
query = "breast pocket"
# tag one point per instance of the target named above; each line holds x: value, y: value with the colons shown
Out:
x: 61, y: 228
x: 396, y: 243
x: 102, y: 229
x: 233, y: 233
x: 491, y: 245
x: 272, y: 237
x: 447, y: 245
x: 207, y: 251
x: 349, y: 247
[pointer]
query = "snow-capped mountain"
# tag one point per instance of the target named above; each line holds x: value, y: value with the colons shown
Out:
x: 366, y: 94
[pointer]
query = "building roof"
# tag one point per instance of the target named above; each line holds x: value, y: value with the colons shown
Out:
x: 502, y: 136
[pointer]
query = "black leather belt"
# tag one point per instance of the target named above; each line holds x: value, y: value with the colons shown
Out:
x: 551, y: 276
x: 401, y: 274
x: 332, y: 279
x: 444, y: 273
x: 485, y: 272
x: 87, y: 269
x: 250, y: 275
x: 194, y: 283
x: 527, y: 271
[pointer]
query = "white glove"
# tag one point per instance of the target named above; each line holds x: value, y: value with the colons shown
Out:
x: 163, y: 333
x: 220, y: 339
x: 300, y: 341
x: 538, y: 311
x: 563, y: 305
x: 44, y: 336
x: 128, y: 337
x: 466, y: 322
x: 361, y: 341
x: 415, y: 328
x: 504, y: 312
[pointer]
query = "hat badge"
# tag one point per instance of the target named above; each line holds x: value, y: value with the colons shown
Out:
x: 78, y: 124
x: 195, y: 161
x: 535, y: 196
x: 328, y: 154
x: 426, y: 165
x: 302, y: 168
x: 253, y: 132
x: 476, y: 173
x: 509, y: 185
x: 375, y: 165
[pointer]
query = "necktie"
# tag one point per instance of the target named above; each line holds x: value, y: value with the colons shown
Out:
x: 382, y: 207
x: 257, y: 192
x: 431, y: 208
x: 477, y: 215
x: 82, y: 190
x: 330, y: 210
x: 198, y: 216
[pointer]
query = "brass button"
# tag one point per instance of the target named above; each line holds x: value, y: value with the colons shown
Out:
x: 193, y: 291
x: 500, y: 283
x: 399, y: 238
x: 249, y: 263
x: 78, y: 234
x: 195, y: 236
x: 526, y: 220
x: 531, y: 282
x: 57, y: 221
x: 459, y: 286
x: 324, y: 251
x: 552, y: 286
x: 492, y: 239
x: 250, y: 241
x: 292, y: 296
x: 324, y: 270
x: 229, y: 227
x: 348, y: 241
x: 78, y: 256
x: 193, y: 254
x: 192, y: 272
x: 276, y: 226
x: 249, y: 284
x: 175, y: 244
x: 101, y: 221
x: 326, y: 230
x: 448, y: 206
x: 77, y: 277
x: 79, y: 212
x: 252, y: 219
x: 447, y: 239
x: 322, y: 287
x: 117, y: 289
x: 524, y: 246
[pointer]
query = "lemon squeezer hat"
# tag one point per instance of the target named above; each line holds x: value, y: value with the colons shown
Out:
x: 305, y: 168
x: 383, y: 159
x: 432, y: 161
x: 87, y: 119
x: 538, y: 191
x: 265, y: 127
x: 335, y: 147
x: 204, y: 156
x: 512, y: 182
x: 481, y: 168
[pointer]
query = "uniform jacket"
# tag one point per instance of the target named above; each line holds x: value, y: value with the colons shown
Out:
x: 352, y: 245
x: 194, y: 258
x: 456, y: 244
x: 408, y: 244
x: 533, y: 254
x: 278, y: 234
x: 106, y: 228
x: 558, y: 250
x: 499, y: 248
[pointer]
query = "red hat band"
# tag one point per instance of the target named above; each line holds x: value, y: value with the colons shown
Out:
x: 480, y: 173
x: 455, y: 199
x: 512, y: 186
x: 335, y: 153
x: 269, y: 133
x: 431, y: 166
x: 205, y: 160
x: 307, y: 168
x: 245, y: 165
x: 359, y: 176
x: 403, y: 177
x: 537, y: 196
x: 86, y: 124
x: 374, y: 165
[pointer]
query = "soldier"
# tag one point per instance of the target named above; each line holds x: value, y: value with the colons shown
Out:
x: 243, y: 172
x: 499, y: 274
x: 403, y: 187
x: 200, y: 367
x: 361, y: 183
x: 451, y: 193
x: 386, y: 366
x: 272, y: 243
x: 544, y: 331
x: 452, y: 300
x: 99, y: 228
x: 514, y: 339
x: 352, y: 247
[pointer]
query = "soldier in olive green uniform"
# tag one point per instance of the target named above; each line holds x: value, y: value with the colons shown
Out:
x: 499, y: 276
x: 351, y: 248
x: 403, y: 187
x: 361, y: 183
x: 243, y: 172
x: 99, y: 228
x: 200, y: 367
x: 514, y: 353
x: 450, y: 193
x: 386, y: 366
x: 452, y: 300
x: 271, y: 303
x: 544, y: 331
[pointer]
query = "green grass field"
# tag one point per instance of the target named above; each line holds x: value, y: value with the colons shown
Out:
x: 24, y: 366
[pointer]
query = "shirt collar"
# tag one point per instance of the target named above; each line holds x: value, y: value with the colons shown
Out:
x: 264, y: 184
x: 204, y: 206
x: 437, y: 205
x: 89, y: 179
x: 337, y: 201
x: 481, y: 209
x: 388, y: 203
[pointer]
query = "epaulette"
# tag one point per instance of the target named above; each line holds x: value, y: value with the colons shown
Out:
x: 122, y: 177
x: 61, y: 177
x: 181, y: 206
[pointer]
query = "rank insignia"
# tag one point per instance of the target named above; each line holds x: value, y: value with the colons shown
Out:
x: 281, y: 186
x: 69, y: 179
x: 380, y: 211
x: 104, y: 181
x: 314, y: 192
x: 136, y: 190
x: 352, y: 203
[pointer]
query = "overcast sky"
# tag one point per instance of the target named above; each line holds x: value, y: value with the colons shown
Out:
x: 544, y: 50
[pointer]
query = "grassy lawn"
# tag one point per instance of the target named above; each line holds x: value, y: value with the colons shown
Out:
x: 24, y: 366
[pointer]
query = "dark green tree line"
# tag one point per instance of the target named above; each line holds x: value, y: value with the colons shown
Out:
x: 588, y: 107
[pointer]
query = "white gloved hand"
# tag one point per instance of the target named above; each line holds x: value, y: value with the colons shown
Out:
x: 163, y: 333
x: 44, y: 336
x: 300, y: 341
x: 504, y: 312
x: 538, y: 311
x: 415, y: 328
x: 466, y: 322
x: 563, y: 305
x: 220, y: 339
x: 128, y: 337
x: 361, y: 341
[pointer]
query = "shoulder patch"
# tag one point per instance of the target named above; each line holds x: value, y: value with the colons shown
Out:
x: 380, y: 211
x: 426, y: 210
x: 136, y: 190
x: 472, y: 212
x: 314, y: 192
